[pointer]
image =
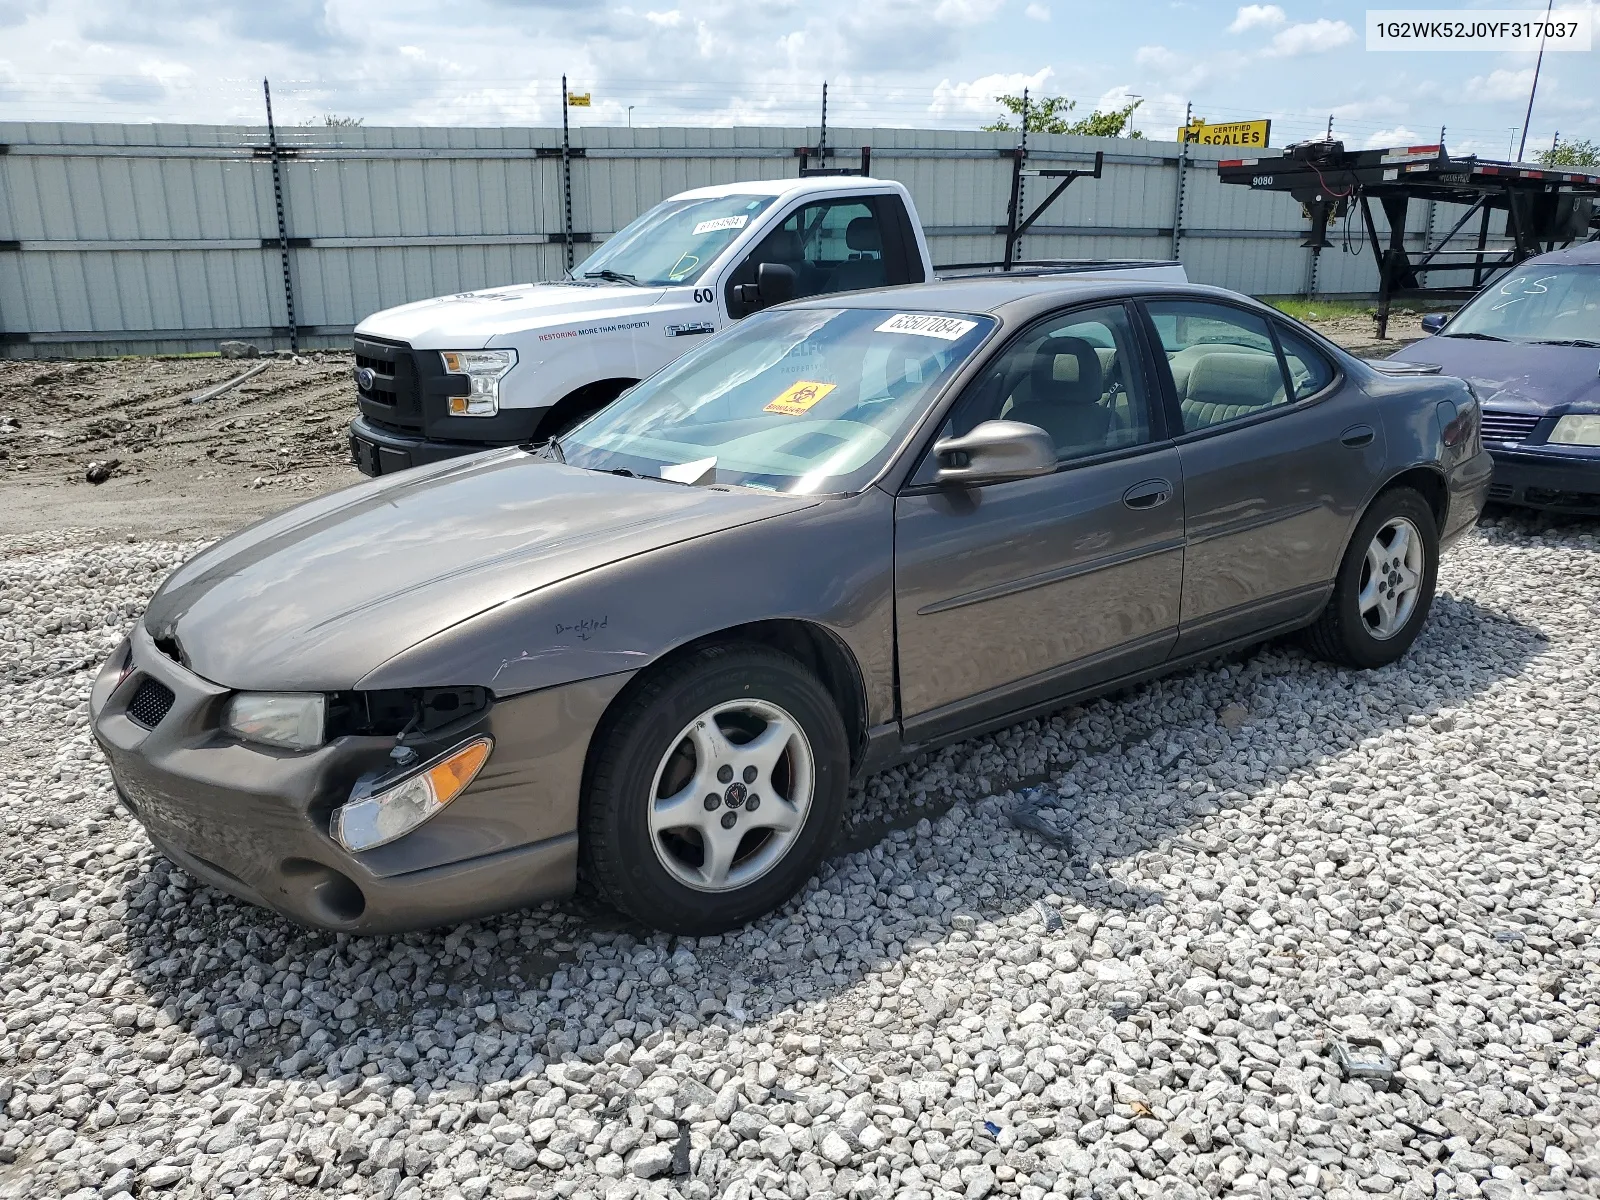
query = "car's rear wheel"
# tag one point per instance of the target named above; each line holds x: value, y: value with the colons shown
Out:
x: 712, y: 793
x: 1385, y: 584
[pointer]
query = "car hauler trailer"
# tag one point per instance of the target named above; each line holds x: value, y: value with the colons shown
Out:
x: 1544, y: 207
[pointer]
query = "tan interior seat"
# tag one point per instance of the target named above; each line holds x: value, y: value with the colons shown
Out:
x: 1225, y: 384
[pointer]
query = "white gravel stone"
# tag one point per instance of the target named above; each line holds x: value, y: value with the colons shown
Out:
x: 1265, y: 854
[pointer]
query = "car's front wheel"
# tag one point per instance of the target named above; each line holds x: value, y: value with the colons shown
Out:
x: 711, y: 795
x: 1385, y: 584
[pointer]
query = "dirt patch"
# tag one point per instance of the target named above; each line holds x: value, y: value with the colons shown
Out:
x: 182, y: 468
x: 200, y: 470
x: 1359, y: 334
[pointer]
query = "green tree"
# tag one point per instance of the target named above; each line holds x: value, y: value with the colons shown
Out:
x: 1048, y: 114
x: 333, y: 120
x: 1577, y: 153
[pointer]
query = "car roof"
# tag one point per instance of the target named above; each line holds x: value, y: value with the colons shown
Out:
x: 784, y: 187
x: 1017, y: 297
x: 1584, y: 254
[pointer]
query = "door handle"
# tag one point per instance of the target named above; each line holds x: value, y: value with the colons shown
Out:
x: 1357, y: 435
x: 1152, y: 493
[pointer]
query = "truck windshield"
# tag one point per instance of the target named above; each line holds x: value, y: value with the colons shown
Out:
x: 1552, y: 304
x: 801, y: 400
x: 674, y: 242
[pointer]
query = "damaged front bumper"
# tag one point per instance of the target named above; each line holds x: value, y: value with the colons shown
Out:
x: 254, y: 821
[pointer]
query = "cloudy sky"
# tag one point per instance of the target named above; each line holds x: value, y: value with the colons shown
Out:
x: 686, y: 62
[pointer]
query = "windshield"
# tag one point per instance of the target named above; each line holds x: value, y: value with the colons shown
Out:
x: 1535, y: 305
x: 794, y: 400
x: 675, y: 241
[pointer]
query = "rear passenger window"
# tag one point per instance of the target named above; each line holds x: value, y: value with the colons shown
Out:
x: 1223, y: 364
x: 1309, y: 371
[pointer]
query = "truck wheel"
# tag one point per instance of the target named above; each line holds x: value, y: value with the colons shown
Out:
x: 714, y: 792
x: 1384, y: 588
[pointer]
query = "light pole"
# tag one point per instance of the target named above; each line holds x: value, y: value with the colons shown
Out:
x: 630, y: 116
x: 1539, y: 62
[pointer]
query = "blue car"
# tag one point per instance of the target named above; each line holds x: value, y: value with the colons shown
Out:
x: 1529, y: 344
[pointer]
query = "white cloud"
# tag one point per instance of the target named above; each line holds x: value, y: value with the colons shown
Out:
x: 1036, y: 12
x: 665, y: 20
x: 965, y: 12
x: 977, y: 98
x: 1253, y: 16
x: 1501, y: 85
x: 1312, y: 37
x: 1398, y: 136
x: 1158, y: 57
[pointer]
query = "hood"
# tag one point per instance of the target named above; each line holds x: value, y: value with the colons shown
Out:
x: 1515, y: 376
x: 317, y: 597
x: 471, y: 320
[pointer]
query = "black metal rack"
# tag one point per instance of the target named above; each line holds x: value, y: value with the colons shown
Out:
x: 1544, y: 207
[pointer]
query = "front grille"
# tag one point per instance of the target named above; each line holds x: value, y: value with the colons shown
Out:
x: 395, y: 397
x: 151, y: 702
x: 1508, y: 427
x: 1500, y: 491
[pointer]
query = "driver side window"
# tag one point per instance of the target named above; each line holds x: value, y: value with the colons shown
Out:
x: 832, y: 246
x: 1077, y: 376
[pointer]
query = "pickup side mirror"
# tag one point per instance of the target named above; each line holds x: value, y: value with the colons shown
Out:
x: 1433, y: 322
x: 775, y: 283
x: 994, y: 451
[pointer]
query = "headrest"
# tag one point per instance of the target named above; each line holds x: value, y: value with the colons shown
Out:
x: 862, y: 234
x: 783, y: 245
x: 1066, y: 370
x: 1244, y: 377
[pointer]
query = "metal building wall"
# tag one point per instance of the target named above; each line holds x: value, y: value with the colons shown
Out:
x: 118, y: 239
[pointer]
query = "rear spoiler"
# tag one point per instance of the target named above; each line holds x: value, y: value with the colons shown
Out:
x: 1389, y: 366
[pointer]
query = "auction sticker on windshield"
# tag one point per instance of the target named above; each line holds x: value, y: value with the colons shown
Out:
x: 717, y: 223
x: 928, y: 325
x: 798, y: 397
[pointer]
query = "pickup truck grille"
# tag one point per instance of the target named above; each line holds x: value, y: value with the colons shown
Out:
x: 394, y: 397
x: 1508, y: 427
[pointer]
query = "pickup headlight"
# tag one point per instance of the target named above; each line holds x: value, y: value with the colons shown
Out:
x: 484, y: 370
x: 379, y: 811
x: 1577, y: 431
x: 292, y: 720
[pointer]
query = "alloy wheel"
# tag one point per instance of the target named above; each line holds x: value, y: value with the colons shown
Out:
x: 731, y: 794
x: 1391, y: 578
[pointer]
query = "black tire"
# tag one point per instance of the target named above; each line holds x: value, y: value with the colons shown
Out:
x: 619, y: 854
x: 1342, y: 634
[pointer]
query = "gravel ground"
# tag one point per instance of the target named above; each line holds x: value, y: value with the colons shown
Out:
x: 1250, y: 862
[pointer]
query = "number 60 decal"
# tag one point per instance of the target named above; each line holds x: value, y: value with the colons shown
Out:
x: 705, y: 295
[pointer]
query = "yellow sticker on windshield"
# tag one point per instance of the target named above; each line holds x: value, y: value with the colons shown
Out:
x: 798, y: 397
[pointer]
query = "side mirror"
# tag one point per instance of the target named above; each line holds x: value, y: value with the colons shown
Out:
x: 995, y: 450
x: 775, y: 283
x: 1433, y: 322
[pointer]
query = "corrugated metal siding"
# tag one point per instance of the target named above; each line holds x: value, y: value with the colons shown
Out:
x: 164, y: 237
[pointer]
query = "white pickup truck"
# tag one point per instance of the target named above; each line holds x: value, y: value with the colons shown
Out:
x: 509, y: 365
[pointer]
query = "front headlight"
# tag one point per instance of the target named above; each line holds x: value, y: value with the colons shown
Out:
x: 292, y: 720
x: 374, y: 818
x: 1576, y: 431
x: 484, y: 369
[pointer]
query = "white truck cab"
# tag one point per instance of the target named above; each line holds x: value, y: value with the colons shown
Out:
x: 508, y: 365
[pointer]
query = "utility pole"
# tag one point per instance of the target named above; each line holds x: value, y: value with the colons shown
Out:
x: 1539, y: 62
